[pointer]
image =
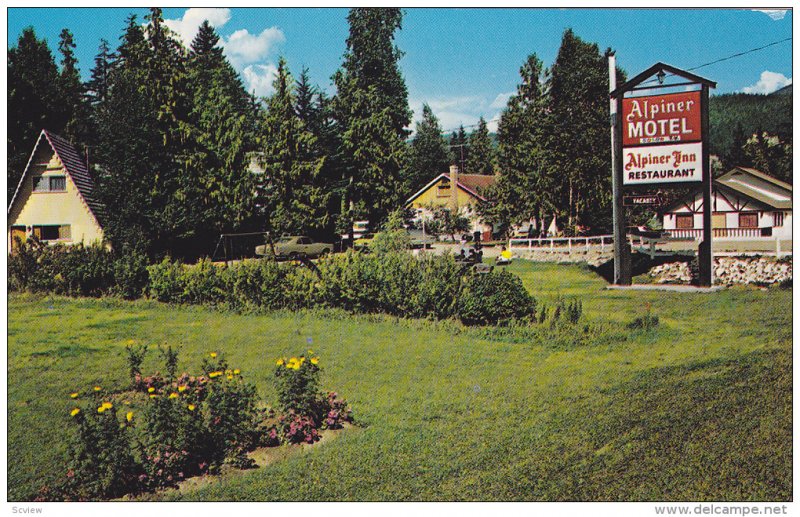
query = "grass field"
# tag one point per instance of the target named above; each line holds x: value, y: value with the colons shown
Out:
x: 697, y: 409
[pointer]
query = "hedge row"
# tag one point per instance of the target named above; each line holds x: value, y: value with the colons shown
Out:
x: 395, y: 283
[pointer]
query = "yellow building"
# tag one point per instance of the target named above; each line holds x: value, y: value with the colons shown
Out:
x: 54, y: 200
x: 462, y: 199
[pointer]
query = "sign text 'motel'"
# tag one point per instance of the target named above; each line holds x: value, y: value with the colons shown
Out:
x: 662, y: 138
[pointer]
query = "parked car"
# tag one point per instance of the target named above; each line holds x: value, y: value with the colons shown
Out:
x: 296, y: 246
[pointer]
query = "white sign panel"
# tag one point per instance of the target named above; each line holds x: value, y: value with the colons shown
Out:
x: 662, y: 164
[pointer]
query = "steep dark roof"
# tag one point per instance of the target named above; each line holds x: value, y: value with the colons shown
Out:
x: 74, y: 165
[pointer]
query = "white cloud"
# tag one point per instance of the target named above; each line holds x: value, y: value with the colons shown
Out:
x: 465, y: 110
x: 186, y: 27
x: 258, y: 79
x: 243, y: 48
x: 775, y: 14
x: 768, y: 83
x: 501, y: 101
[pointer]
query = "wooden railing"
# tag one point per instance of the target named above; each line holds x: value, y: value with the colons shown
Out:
x: 561, y: 244
x: 719, y: 233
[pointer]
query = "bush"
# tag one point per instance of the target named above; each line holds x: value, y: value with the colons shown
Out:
x: 101, y: 464
x: 492, y: 298
x: 130, y: 275
x: 297, y: 384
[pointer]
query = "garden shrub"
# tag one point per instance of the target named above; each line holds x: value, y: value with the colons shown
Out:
x: 130, y: 274
x: 166, y: 283
x: 258, y: 284
x: 101, y: 464
x: 492, y: 298
x: 297, y: 384
x: 438, y: 287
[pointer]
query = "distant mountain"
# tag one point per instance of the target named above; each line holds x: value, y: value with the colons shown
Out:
x: 752, y: 113
x: 786, y: 90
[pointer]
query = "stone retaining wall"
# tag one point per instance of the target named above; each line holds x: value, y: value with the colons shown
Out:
x: 728, y: 271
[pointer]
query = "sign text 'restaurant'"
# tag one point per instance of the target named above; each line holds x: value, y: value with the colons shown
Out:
x: 662, y: 164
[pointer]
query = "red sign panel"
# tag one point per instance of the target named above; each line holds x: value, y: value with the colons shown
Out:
x: 661, y: 119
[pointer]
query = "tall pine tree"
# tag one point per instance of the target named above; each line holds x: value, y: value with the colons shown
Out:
x: 371, y: 109
x: 429, y: 154
x: 521, y: 191
x: 290, y: 194
x: 459, y: 148
x: 77, y: 111
x: 482, y: 155
x: 34, y: 101
x: 577, y: 129
x: 222, y: 134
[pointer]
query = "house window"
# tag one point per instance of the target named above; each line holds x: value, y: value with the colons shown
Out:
x: 777, y: 219
x: 49, y: 184
x: 53, y: 232
x: 444, y: 189
x: 684, y: 221
x: 748, y: 220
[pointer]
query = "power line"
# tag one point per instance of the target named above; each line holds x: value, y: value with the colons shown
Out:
x: 720, y: 60
x: 732, y: 56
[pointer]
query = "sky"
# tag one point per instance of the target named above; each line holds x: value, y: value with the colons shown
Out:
x: 464, y: 63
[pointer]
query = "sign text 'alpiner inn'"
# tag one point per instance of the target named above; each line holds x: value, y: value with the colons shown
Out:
x: 661, y: 138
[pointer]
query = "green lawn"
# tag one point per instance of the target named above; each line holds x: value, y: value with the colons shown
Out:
x: 697, y: 409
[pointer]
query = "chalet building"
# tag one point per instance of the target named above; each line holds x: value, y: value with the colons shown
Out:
x: 54, y: 200
x: 746, y: 205
x: 463, y: 198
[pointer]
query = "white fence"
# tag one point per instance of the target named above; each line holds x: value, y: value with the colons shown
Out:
x: 601, y: 242
x: 646, y: 245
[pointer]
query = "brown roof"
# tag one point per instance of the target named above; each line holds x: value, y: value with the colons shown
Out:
x: 75, y: 166
x: 476, y: 182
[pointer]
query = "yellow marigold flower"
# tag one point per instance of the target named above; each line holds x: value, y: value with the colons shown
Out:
x: 228, y: 372
x: 191, y: 407
x: 213, y: 355
x: 130, y: 342
x: 215, y: 374
x: 314, y: 360
x: 129, y: 416
x: 182, y: 388
x: 101, y: 409
x: 296, y: 366
x: 293, y: 360
x: 302, y: 360
x: 151, y: 389
x: 153, y: 395
x: 173, y: 395
x: 73, y: 395
x: 97, y: 388
x: 237, y: 371
x: 108, y: 405
x: 230, y: 377
x: 279, y: 362
x: 74, y: 412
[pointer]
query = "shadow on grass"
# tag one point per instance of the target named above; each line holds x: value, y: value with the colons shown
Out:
x: 640, y: 265
x: 717, y: 430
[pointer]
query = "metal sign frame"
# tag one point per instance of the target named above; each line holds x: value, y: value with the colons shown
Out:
x: 622, y: 252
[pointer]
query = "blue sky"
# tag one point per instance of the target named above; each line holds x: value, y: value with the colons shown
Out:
x: 463, y: 62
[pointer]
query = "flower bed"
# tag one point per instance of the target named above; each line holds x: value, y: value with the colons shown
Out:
x: 164, y: 429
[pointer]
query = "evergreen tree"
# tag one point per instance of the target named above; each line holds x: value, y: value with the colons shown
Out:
x: 371, y: 110
x: 145, y: 174
x: 222, y: 134
x: 429, y: 154
x: 579, y: 157
x: 98, y: 85
x: 521, y: 191
x: 482, y: 155
x: 34, y: 101
x: 77, y: 112
x: 290, y: 194
x: 459, y: 148
x: 768, y: 154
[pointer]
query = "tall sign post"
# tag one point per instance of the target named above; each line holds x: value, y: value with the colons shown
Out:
x: 661, y: 140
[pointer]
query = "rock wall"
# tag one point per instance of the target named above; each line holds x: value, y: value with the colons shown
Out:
x: 728, y: 271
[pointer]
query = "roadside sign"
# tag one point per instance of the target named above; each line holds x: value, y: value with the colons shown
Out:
x: 662, y: 139
x: 661, y: 119
x: 654, y: 199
